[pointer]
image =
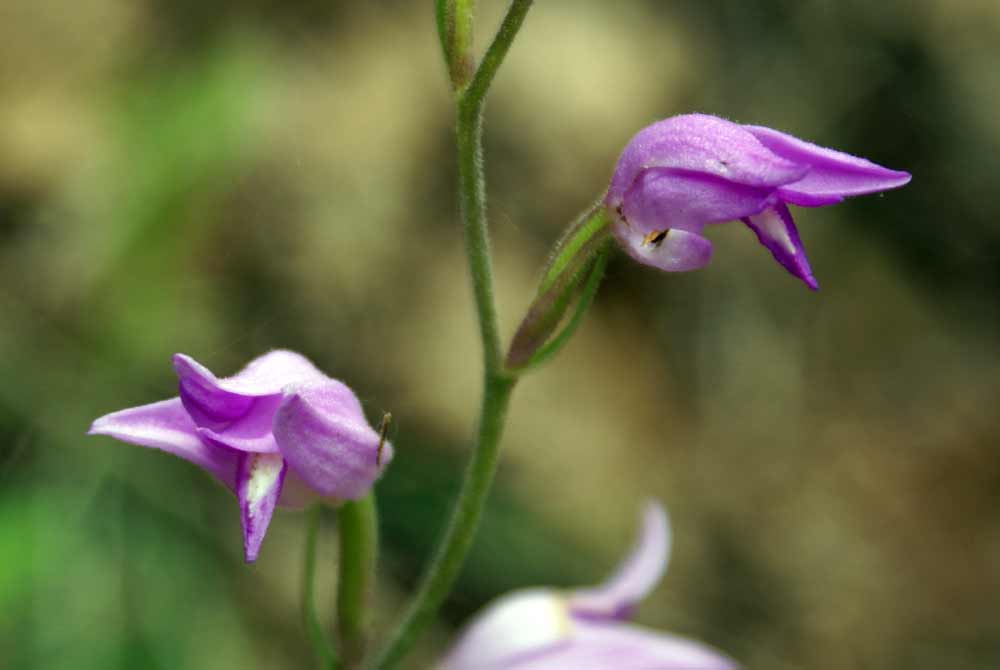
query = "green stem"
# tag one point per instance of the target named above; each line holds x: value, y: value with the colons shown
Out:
x: 357, y: 525
x: 325, y: 654
x: 441, y: 573
x: 475, y: 94
x: 471, y: 183
x: 443, y: 570
x: 477, y: 245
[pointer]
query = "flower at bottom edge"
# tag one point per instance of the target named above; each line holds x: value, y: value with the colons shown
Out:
x: 584, y: 629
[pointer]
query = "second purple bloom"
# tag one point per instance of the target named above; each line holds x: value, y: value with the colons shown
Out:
x: 278, y: 432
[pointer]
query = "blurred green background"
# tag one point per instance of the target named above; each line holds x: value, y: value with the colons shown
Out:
x: 222, y: 178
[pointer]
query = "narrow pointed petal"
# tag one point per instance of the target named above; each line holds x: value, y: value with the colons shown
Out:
x: 833, y: 175
x: 165, y: 425
x: 675, y: 251
x: 614, y: 646
x: 776, y: 230
x: 327, y: 441
x: 511, y: 628
x: 259, y: 478
x: 635, y: 577
x: 702, y: 144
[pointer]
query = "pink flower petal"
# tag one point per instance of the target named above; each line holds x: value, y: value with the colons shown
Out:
x: 238, y: 411
x: 327, y: 441
x: 212, y: 401
x: 617, y: 646
x: 701, y: 144
x: 833, y: 175
x: 166, y: 425
x: 661, y: 199
x: 251, y: 432
x: 513, y: 627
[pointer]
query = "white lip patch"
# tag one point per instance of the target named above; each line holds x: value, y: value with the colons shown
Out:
x: 770, y: 222
x: 263, y: 472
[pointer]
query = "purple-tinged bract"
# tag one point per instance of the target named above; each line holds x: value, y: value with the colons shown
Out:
x: 546, y: 629
x: 279, y: 432
x: 682, y: 173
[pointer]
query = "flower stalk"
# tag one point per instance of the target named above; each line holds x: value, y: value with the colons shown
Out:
x: 357, y: 526
x: 325, y: 654
x: 440, y: 575
x: 454, y: 546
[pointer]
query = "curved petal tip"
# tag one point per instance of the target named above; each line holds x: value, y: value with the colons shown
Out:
x: 636, y: 575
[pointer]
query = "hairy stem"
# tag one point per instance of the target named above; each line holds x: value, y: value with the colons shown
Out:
x: 472, y: 185
x: 451, y: 552
x: 441, y: 573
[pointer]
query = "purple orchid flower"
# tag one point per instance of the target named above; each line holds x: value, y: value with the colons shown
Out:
x: 546, y: 629
x: 681, y: 173
x: 277, y: 432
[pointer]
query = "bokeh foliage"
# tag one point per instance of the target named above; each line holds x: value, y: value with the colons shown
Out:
x: 223, y: 178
